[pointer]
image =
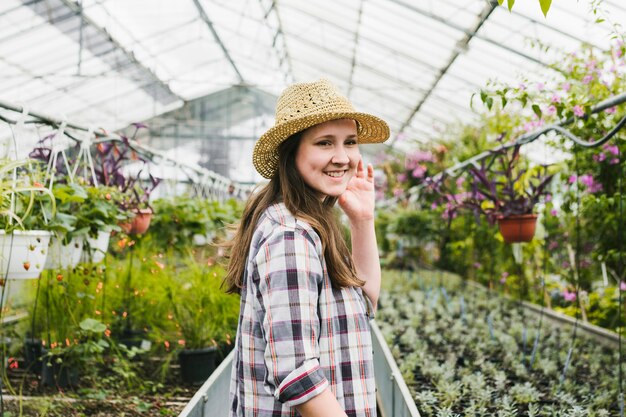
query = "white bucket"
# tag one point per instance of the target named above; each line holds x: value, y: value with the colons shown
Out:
x: 64, y: 256
x: 23, y: 253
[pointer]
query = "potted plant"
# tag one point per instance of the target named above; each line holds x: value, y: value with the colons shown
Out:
x: 97, y: 217
x: 23, y: 238
x: 506, y: 191
x: 205, y: 316
x: 64, y: 362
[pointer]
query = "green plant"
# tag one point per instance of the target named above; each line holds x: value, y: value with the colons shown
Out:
x: 19, y: 194
x: 204, y: 314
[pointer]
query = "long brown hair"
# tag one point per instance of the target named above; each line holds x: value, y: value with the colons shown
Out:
x: 302, y: 201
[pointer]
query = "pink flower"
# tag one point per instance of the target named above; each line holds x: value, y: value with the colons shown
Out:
x: 553, y: 245
x: 434, y: 206
x: 578, y: 111
x: 587, y: 79
x: 611, y: 110
x: 550, y: 110
x: 556, y: 98
x: 569, y: 296
x: 401, y: 177
x: 554, y: 212
x: 477, y: 265
x: 522, y: 86
x: 503, y: 280
x: 419, y: 171
x: 397, y: 192
x: 612, y: 149
x: 592, y: 186
x: 622, y: 286
x: 548, y: 198
x: 599, y: 157
x: 460, y: 181
x: 614, y: 161
x: 540, y: 86
x: 566, y: 86
x: 572, y: 179
x: 505, y: 274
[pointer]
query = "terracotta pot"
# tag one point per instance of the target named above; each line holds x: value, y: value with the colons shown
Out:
x: 141, y: 221
x: 139, y: 224
x: 518, y: 228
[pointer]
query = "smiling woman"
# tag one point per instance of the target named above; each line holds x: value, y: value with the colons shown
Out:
x: 303, y: 339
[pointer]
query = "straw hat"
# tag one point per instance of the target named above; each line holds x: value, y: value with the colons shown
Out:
x: 304, y: 105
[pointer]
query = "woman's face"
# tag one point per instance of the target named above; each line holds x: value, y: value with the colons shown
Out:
x: 328, y: 155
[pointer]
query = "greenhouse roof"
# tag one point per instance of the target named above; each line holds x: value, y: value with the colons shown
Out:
x: 416, y: 64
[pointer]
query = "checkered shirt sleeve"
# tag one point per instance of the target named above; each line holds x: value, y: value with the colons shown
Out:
x: 290, y: 274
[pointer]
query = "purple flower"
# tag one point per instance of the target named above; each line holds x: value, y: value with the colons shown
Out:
x: 614, y: 161
x: 554, y: 212
x: 477, y: 265
x: 592, y: 186
x: 550, y: 110
x: 556, y: 98
x: 612, y: 149
x: 505, y: 274
x: 565, y: 265
x: 569, y: 296
x: 503, y: 280
x: 585, y: 263
x: 587, y: 79
x: 548, y: 198
x: 578, y: 111
x: 572, y: 179
x: 611, y: 110
x: 599, y: 157
x: 553, y: 245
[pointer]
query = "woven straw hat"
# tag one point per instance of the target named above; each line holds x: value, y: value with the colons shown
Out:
x: 304, y: 105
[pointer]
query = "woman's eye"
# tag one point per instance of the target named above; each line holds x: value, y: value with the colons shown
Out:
x: 351, y: 142
x: 323, y: 143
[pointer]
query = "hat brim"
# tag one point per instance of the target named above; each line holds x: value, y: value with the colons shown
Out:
x: 370, y: 129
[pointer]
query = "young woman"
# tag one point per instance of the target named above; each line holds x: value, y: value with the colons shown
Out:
x: 303, y: 343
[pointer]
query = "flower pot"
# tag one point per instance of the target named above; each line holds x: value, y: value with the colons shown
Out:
x: 33, y: 353
x: 95, y: 249
x: 64, y: 256
x: 196, y: 365
x: 139, y: 224
x: 61, y: 375
x: 518, y: 228
x: 23, y: 253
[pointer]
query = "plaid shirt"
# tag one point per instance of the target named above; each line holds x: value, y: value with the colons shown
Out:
x: 297, y: 335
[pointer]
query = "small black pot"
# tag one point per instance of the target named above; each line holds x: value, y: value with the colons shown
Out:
x: 61, y: 375
x: 196, y: 365
x: 33, y: 352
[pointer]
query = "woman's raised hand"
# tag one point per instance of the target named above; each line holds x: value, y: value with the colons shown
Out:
x: 358, y: 199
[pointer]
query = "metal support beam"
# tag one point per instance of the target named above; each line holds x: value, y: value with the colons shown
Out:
x: 356, y: 46
x: 286, y: 58
x: 381, y: 45
x: 208, y: 22
x: 489, y: 8
x: 128, y: 54
x: 471, y: 33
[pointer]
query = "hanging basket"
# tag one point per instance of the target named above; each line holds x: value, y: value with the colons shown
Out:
x: 64, y: 256
x: 23, y: 253
x: 94, y: 249
x: 518, y: 228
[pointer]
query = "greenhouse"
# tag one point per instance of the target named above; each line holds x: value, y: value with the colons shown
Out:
x: 367, y: 208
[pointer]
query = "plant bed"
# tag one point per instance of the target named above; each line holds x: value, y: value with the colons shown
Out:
x: 475, y: 356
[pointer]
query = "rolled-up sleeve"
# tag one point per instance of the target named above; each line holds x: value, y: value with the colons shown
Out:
x: 289, y: 275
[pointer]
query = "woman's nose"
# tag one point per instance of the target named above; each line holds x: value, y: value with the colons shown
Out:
x: 340, y: 156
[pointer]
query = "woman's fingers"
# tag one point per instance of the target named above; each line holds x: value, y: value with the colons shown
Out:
x: 360, y: 172
x: 370, y: 173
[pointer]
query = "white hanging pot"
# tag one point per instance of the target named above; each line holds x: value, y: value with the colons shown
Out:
x: 64, y: 256
x: 95, y: 249
x: 23, y: 253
